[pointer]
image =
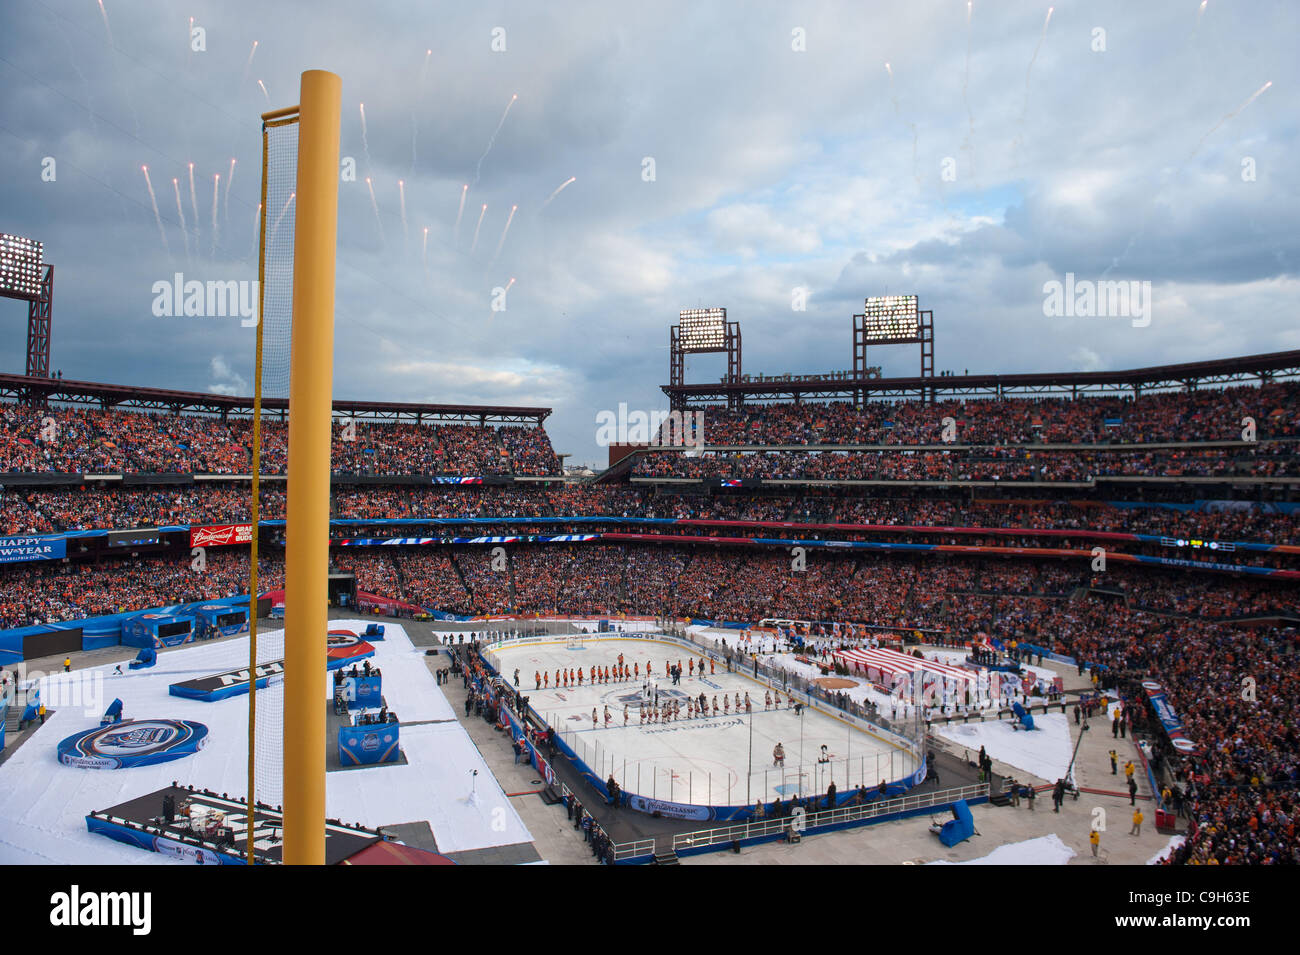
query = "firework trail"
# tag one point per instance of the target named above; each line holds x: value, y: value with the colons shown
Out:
x: 189, y: 44
x: 216, y: 191
x: 176, y: 187
x: 249, y: 65
x: 558, y: 191
x: 276, y: 227
x: 501, y: 243
x: 401, y: 195
x: 264, y: 92
x: 194, y: 204
x: 965, y: 84
x: 424, y: 250
x: 153, y: 201
x: 257, y: 227
x: 365, y: 141
x: 1033, y: 59
x: 482, y: 213
x: 1253, y: 96
x: 1200, y: 12
x: 459, y: 212
x: 109, y: 30
x: 893, y: 97
x: 1024, y: 109
x: 375, y: 206
x: 493, y: 138
x: 229, y: 179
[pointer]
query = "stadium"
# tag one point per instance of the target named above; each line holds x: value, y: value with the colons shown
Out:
x: 873, y: 611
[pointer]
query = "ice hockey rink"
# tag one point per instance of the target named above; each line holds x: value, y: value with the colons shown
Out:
x: 725, y: 760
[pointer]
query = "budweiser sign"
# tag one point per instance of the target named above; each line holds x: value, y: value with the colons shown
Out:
x: 221, y: 535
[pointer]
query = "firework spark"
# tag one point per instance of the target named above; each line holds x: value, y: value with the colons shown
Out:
x: 459, y: 212
x: 424, y: 249
x: 481, y: 214
x: 558, y: 191
x: 229, y: 179
x: 216, y: 191
x: 374, y: 204
x: 180, y: 212
x: 278, y: 219
x: 365, y: 140
x: 401, y: 196
x: 493, y: 138
x: 153, y: 201
x: 248, y: 65
x: 501, y: 243
x: 265, y: 92
x: 1253, y: 96
x: 194, y: 203
x: 109, y: 30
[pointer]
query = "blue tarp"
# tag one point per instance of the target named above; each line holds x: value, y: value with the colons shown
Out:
x: 960, y: 828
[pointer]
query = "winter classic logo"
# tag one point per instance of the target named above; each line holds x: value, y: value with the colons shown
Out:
x: 133, y: 743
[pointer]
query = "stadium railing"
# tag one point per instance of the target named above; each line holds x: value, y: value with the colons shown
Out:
x: 844, y: 816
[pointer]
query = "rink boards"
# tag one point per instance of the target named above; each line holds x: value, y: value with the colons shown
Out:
x: 708, y: 767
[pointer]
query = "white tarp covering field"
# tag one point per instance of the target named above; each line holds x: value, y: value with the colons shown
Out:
x: 43, y: 803
x: 1043, y: 752
x: 1045, y: 850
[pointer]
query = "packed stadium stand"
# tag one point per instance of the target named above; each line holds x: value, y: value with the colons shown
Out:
x: 995, y: 532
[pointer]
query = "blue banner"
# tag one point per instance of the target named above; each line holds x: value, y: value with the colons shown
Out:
x: 15, y: 549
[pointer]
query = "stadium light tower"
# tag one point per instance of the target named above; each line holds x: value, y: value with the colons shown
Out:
x: 702, y: 331
x: 893, y: 320
x: 23, y: 275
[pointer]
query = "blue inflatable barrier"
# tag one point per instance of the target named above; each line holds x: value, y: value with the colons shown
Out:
x: 1026, y: 720
x: 112, y: 715
x: 960, y: 828
x: 374, y: 631
x: 145, y: 658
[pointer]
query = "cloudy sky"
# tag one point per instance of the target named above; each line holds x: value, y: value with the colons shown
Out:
x: 724, y: 154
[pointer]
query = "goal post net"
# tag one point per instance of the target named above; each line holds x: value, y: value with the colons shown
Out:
x: 270, y: 380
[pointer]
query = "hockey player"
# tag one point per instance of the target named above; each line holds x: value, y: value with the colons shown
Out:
x: 726, y: 705
x: 607, y: 716
x: 715, y: 704
x: 595, y: 724
x: 767, y: 699
x: 624, y: 715
x: 546, y: 680
x: 537, y: 675
x: 712, y: 670
x: 690, y: 670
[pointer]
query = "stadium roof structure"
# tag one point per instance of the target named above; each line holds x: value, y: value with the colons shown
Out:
x: 45, y: 390
x: 1220, y: 371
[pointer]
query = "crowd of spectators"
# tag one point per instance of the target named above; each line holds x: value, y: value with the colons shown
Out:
x: 54, y: 592
x: 1206, y: 415
x: 93, y: 441
x: 1007, y: 464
